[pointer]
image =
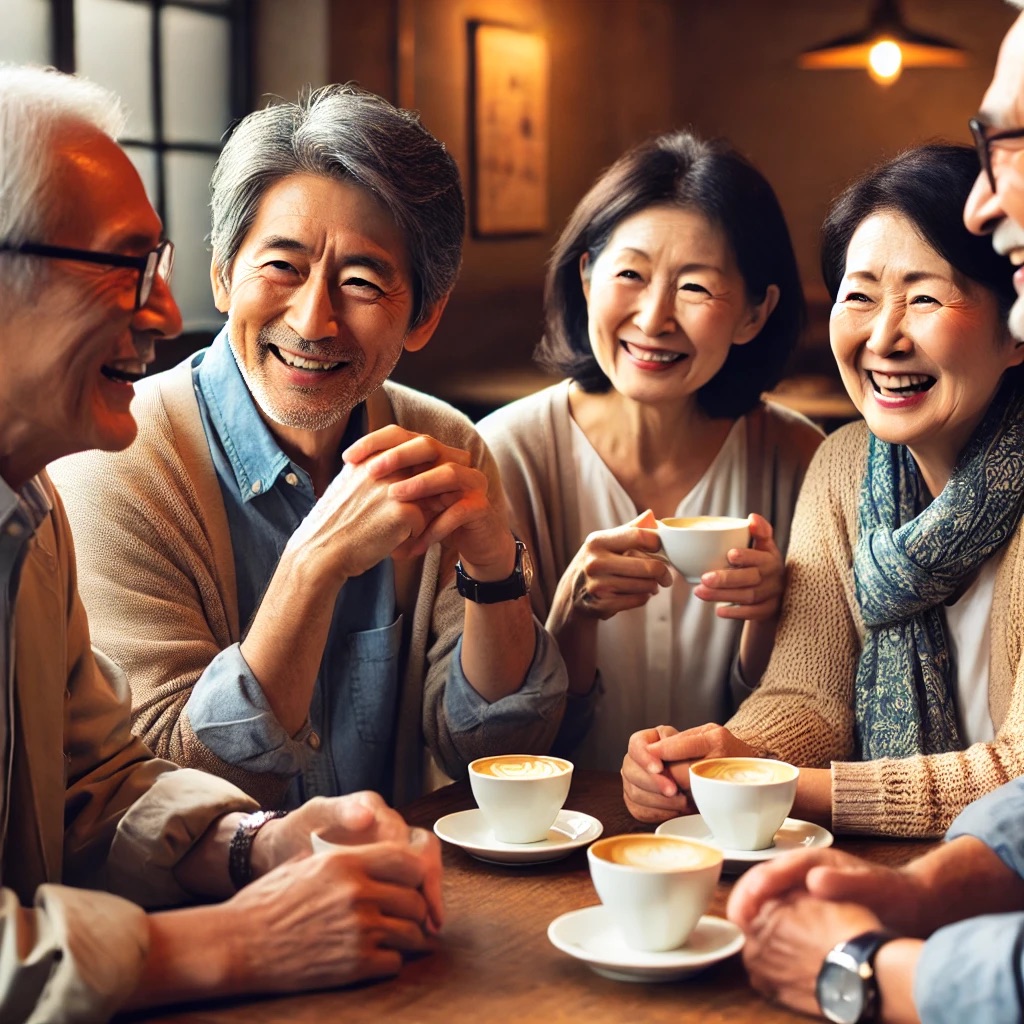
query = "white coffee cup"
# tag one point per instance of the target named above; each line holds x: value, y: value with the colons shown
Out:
x: 654, y: 888
x: 698, y: 544
x: 743, y: 800
x: 520, y: 795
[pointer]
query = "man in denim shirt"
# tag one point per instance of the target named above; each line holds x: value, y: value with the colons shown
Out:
x: 941, y: 940
x: 273, y: 564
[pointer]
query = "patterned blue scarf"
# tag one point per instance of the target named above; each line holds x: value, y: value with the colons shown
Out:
x: 909, y: 561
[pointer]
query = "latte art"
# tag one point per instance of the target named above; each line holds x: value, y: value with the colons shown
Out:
x: 746, y: 771
x: 655, y: 853
x: 518, y: 767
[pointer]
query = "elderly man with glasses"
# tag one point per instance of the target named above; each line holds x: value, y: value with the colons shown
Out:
x: 93, y: 828
x: 941, y: 940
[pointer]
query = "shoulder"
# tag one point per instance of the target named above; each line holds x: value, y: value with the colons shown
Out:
x: 839, y: 463
x: 788, y: 428
x: 525, y: 413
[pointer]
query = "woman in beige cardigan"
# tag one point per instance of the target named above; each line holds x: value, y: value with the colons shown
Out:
x: 897, y: 680
x: 672, y: 302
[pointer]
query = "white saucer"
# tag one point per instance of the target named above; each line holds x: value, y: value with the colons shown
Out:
x: 571, y: 830
x: 794, y: 835
x: 590, y: 936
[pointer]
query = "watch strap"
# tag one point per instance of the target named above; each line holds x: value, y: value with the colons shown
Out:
x: 858, y: 956
x: 240, y: 850
x: 492, y: 592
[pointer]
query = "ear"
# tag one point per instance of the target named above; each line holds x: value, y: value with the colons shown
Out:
x: 221, y: 294
x: 423, y: 331
x: 758, y: 317
x: 585, y: 275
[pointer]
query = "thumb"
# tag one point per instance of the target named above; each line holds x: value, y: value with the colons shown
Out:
x: 847, y: 884
x: 761, y: 531
x: 645, y: 520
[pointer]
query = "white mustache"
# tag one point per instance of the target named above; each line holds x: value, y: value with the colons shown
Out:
x: 1009, y: 235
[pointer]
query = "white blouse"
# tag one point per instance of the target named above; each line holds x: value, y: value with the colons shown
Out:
x: 667, y: 662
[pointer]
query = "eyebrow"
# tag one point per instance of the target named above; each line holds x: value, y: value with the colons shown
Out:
x: 383, y: 267
x: 912, y: 277
x: 685, y: 268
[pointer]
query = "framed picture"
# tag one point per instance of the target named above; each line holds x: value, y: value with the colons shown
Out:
x: 508, y: 131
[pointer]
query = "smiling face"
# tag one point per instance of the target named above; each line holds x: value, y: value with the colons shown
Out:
x: 75, y: 348
x: 665, y: 303
x: 921, y: 350
x: 319, y: 299
x: 1002, y: 212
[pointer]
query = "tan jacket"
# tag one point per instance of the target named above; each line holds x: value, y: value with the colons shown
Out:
x: 90, y: 806
x: 158, y: 578
x: 803, y: 710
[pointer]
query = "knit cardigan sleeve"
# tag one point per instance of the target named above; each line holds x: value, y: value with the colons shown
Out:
x: 803, y: 710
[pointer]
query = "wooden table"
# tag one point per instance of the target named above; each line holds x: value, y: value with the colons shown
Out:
x: 495, y: 964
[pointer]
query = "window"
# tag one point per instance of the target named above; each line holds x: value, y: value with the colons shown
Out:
x: 182, y: 69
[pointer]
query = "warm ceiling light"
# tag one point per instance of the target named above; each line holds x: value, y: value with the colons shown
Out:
x: 884, y: 48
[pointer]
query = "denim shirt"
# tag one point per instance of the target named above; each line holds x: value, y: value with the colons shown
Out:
x: 347, y: 744
x: 974, y: 970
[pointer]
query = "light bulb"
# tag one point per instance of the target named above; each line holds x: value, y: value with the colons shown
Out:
x: 885, y: 62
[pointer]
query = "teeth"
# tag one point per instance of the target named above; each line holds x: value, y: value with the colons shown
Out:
x: 900, y: 381
x: 124, y: 370
x: 301, y: 363
x: 646, y: 355
x: 1016, y: 256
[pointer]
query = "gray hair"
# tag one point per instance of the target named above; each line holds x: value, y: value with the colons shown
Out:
x: 346, y: 133
x: 36, y: 106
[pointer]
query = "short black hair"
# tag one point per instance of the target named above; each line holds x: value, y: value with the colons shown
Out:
x: 929, y: 186
x: 710, y: 178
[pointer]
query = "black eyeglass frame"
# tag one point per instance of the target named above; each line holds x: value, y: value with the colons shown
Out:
x: 983, y: 144
x: 148, y: 266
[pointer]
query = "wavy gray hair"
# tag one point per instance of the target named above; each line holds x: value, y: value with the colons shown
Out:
x: 346, y: 133
x: 36, y: 105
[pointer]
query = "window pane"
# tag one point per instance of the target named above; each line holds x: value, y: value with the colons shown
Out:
x: 112, y: 47
x: 145, y: 163
x: 25, y: 38
x: 187, y: 225
x: 196, y: 55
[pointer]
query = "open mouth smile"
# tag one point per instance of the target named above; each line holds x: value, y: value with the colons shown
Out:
x: 121, y: 374
x: 899, y: 385
x: 652, y: 355
x: 298, y: 362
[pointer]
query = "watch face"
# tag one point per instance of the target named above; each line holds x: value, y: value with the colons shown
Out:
x: 527, y: 563
x: 841, y: 993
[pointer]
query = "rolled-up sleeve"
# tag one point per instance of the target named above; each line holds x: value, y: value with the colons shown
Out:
x: 974, y: 969
x: 74, y: 957
x: 479, y: 723
x: 230, y: 714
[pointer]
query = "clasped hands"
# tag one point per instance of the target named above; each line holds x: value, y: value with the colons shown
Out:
x: 398, y: 493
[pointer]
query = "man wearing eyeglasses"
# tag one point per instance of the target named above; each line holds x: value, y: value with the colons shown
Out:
x: 941, y: 940
x: 93, y: 828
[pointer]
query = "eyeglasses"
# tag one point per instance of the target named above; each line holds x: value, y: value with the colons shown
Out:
x: 983, y: 144
x: 158, y: 261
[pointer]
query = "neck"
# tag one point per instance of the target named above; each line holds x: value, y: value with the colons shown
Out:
x: 23, y: 453
x: 316, y: 451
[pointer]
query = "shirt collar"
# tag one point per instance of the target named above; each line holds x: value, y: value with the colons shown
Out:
x: 29, y: 507
x: 255, y: 456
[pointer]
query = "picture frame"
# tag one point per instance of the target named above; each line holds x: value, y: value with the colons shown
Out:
x: 508, y: 131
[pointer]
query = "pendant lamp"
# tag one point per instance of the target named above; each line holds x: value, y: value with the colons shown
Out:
x: 885, y: 48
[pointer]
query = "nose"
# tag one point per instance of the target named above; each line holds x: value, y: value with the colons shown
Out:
x: 887, y: 336
x: 656, y: 314
x: 983, y: 210
x: 160, y: 316
x: 311, y: 312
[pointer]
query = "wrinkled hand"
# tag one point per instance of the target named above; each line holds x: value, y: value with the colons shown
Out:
x: 788, y: 940
x: 449, y: 492
x: 752, y: 588
x: 331, y: 919
x: 355, y: 820
x: 894, y: 896
x: 611, y: 571
x: 656, y: 768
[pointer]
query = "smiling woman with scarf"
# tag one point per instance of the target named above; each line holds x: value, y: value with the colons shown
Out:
x: 897, y: 679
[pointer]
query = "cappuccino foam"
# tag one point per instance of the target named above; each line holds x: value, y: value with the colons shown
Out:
x: 655, y: 853
x: 749, y: 771
x: 705, y: 523
x: 518, y: 766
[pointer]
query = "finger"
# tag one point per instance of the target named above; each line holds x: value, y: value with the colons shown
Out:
x: 645, y: 520
x: 386, y: 861
x: 374, y: 442
x: 757, y: 889
x: 638, y: 750
x: 691, y: 745
x: 426, y: 845
x: 654, y: 807
x: 760, y: 528
x: 402, y: 935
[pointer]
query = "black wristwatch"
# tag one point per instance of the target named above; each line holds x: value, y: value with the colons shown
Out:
x: 847, y: 988
x: 512, y: 587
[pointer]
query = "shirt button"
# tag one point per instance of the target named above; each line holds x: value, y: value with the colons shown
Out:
x: 257, y: 486
x: 314, y: 741
x: 14, y: 529
x: 292, y: 479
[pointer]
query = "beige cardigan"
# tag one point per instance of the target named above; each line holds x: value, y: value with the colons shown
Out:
x: 803, y: 710
x: 158, y: 580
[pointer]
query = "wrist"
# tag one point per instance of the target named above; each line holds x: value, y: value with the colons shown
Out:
x: 498, y: 565
x: 248, y: 858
